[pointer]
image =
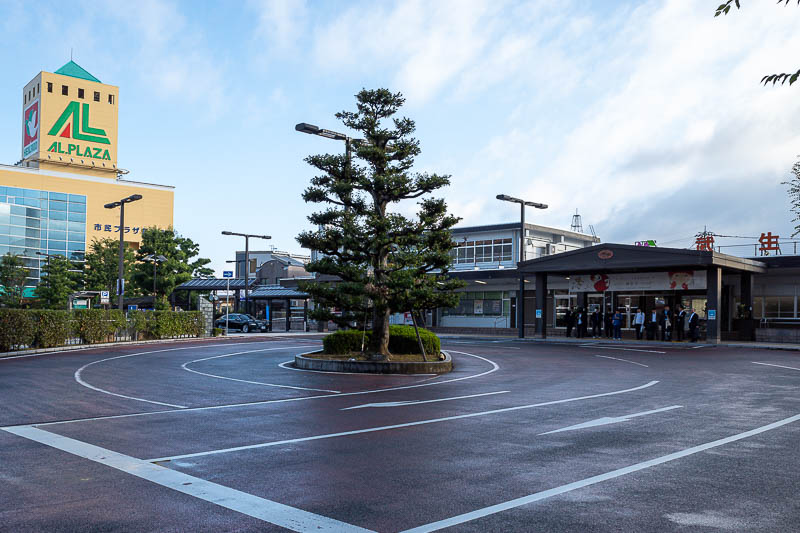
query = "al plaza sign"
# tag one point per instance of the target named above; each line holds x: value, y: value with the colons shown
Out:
x: 73, y: 123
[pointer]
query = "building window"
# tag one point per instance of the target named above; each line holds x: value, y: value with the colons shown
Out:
x: 111, y: 99
x: 80, y: 93
x: 49, y: 87
x: 65, y: 90
x: 96, y: 96
x: 37, y: 90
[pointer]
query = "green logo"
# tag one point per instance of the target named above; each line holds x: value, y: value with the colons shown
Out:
x: 78, y: 128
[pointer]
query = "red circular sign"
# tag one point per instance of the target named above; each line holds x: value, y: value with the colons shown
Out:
x: 605, y: 254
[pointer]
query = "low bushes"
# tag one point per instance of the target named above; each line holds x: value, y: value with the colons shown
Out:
x: 34, y: 328
x: 402, y: 340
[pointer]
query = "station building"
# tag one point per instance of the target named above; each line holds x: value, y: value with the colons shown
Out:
x: 51, y: 200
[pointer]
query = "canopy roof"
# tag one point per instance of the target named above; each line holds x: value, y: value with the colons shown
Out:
x: 74, y: 70
x: 267, y: 292
x: 213, y: 284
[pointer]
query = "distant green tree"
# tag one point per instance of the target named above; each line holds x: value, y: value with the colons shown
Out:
x: 12, y: 280
x: 102, y: 267
x: 61, y: 277
x: 383, y: 261
x: 179, y: 267
x: 724, y: 9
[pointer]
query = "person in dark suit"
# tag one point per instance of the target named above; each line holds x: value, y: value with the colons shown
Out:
x: 693, y: 322
x: 569, y: 318
x: 608, y: 324
x: 652, y: 325
x: 664, y: 321
x: 680, y: 323
x: 594, y: 321
x: 580, y: 323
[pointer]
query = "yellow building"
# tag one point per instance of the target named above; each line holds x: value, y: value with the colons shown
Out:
x: 51, y: 201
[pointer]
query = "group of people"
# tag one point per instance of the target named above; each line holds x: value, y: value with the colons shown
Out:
x: 672, y: 325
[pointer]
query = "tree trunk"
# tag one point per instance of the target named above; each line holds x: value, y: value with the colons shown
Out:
x: 379, y: 343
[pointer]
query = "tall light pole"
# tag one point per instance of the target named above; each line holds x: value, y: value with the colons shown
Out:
x: 121, y: 277
x: 47, y: 259
x: 521, y: 293
x: 156, y: 259
x: 246, y: 263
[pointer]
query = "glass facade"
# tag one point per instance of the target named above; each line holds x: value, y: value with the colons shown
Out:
x: 41, y: 221
x: 474, y: 252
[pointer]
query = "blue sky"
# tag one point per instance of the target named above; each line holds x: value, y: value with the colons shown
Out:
x: 646, y: 116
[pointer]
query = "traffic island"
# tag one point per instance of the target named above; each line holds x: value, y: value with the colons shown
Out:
x: 322, y: 362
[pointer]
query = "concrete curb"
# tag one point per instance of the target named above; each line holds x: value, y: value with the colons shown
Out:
x: 373, y: 367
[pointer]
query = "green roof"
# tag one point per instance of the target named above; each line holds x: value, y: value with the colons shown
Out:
x: 76, y: 71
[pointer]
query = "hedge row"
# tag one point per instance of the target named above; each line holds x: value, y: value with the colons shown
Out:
x: 402, y: 340
x: 29, y: 328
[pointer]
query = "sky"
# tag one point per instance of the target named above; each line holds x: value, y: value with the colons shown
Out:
x: 647, y: 117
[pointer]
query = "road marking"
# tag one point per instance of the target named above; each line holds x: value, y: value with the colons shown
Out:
x: 397, y: 426
x: 185, y: 366
x: 261, y: 508
x: 779, y: 366
x: 611, y: 420
x: 104, y: 391
x: 538, y: 496
x: 419, y: 402
x: 265, y: 402
x: 618, y: 359
x: 622, y: 349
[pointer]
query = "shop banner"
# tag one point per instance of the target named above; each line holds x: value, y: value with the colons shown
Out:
x: 681, y: 280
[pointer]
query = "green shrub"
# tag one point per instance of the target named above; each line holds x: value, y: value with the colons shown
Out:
x: 17, y: 328
x: 217, y: 332
x: 402, y: 340
x: 53, y: 328
x: 98, y: 325
x: 166, y: 324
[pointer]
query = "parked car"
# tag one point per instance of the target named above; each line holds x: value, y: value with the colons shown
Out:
x: 243, y: 322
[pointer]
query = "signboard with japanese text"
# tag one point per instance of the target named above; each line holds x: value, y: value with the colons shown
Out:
x: 639, y: 281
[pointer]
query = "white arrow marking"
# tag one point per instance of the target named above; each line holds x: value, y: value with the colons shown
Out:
x: 611, y: 420
x: 418, y: 402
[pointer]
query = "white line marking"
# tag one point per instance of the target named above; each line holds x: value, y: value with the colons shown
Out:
x: 104, y: 391
x: 622, y: 349
x: 261, y: 508
x: 419, y: 402
x: 185, y: 366
x: 495, y: 367
x: 779, y: 366
x: 538, y: 496
x: 618, y: 359
x: 611, y: 420
x: 397, y: 426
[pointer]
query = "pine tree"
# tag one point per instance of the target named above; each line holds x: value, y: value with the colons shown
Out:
x: 382, y: 261
x: 794, y: 195
x: 60, y: 279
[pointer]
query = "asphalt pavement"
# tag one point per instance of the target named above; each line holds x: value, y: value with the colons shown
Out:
x: 521, y: 436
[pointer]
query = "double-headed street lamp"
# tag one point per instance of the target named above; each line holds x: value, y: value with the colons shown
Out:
x: 246, y: 262
x: 157, y: 260
x: 311, y: 129
x: 521, y: 297
x: 121, y: 278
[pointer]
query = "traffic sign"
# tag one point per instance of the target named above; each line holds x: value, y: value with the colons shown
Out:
x: 227, y: 274
x: 712, y: 314
x: 104, y: 297
x: 133, y: 307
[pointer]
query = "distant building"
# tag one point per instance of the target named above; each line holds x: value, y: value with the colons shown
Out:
x: 258, y: 258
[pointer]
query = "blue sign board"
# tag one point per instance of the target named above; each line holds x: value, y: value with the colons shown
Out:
x: 227, y: 274
x: 712, y: 314
x: 133, y: 307
x: 538, y: 313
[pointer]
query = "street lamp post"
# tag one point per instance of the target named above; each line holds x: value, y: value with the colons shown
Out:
x: 521, y: 293
x: 47, y: 260
x: 246, y: 262
x: 121, y: 277
x: 156, y: 259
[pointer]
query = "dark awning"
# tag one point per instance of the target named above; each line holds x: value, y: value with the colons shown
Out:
x: 606, y: 258
x: 266, y: 292
x: 213, y: 284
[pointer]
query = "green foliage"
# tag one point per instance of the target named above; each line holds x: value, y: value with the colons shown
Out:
x: 724, y: 9
x: 102, y: 267
x: 17, y: 329
x: 12, y: 280
x: 53, y: 328
x: 383, y: 261
x: 166, y: 324
x: 178, y: 268
x: 61, y: 277
x: 217, y: 332
x: 98, y: 325
x: 402, y: 340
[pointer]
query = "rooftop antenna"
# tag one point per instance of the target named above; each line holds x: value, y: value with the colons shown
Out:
x: 577, y: 225
x: 70, y: 54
